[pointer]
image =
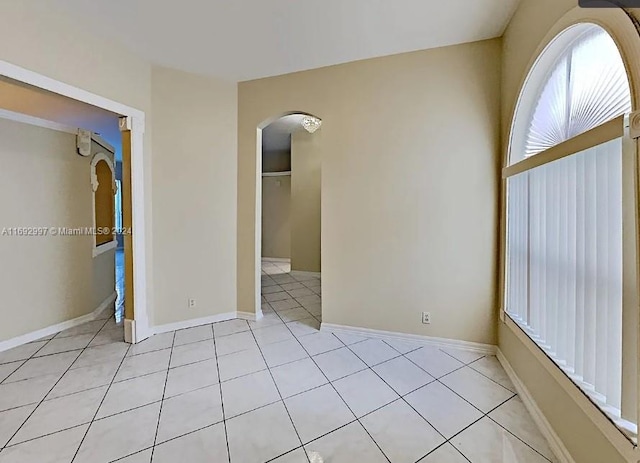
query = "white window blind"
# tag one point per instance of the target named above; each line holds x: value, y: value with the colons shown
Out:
x: 564, y: 275
x: 565, y: 264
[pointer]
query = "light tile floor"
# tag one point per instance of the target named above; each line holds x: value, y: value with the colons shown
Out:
x: 276, y: 390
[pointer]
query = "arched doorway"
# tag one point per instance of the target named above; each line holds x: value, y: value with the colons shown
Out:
x: 288, y: 219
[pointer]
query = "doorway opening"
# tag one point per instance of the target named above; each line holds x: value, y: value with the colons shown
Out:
x: 289, y: 216
x: 109, y: 130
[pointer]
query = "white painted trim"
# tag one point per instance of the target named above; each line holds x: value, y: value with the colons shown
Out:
x: 181, y: 325
x: 248, y: 316
x: 555, y: 443
x: 414, y: 338
x: 54, y: 329
x: 284, y: 173
x: 32, y: 120
x: 137, y: 123
x: 111, y: 245
x: 300, y: 273
x: 98, y: 157
x: 141, y: 309
x: 285, y: 260
x: 38, y: 80
x: 130, y: 331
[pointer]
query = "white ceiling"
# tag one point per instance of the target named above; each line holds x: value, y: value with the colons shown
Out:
x: 277, y: 135
x: 248, y: 39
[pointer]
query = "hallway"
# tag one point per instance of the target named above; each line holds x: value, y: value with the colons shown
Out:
x: 266, y: 391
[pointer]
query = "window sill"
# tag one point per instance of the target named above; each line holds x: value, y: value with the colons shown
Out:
x: 105, y: 247
x: 606, y: 419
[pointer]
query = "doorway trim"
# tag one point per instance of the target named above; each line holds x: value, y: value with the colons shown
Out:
x: 136, y: 120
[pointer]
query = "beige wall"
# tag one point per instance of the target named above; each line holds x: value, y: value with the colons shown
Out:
x: 409, y: 149
x: 51, y: 279
x: 585, y: 442
x: 276, y: 161
x: 306, y: 164
x: 276, y: 214
x: 194, y: 185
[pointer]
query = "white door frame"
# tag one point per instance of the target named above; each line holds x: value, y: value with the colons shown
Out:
x: 136, y: 122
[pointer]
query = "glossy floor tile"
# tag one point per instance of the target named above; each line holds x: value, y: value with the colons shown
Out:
x: 273, y: 390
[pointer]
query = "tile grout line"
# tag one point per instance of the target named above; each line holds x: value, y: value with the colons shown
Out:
x: 224, y: 417
x: 437, y: 379
x: 101, y: 402
x: 484, y: 415
x: 400, y: 397
x: 297, y: 338
x: 52, y: 387
x: 339, y: 395
x: 373, y: 411
x: 279, y: 393
x: 295, y: 299
x: 164, y: 390
x: 510, y: 432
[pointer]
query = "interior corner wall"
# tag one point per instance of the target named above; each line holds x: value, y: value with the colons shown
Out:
x: 49, y: 279
x: 276, y: 217
x: 582, y: 438
x: 410, y: 148
x: 306, y: 162
x: 194, y: 184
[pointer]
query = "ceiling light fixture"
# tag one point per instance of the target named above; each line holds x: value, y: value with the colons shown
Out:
x: 311, y: 124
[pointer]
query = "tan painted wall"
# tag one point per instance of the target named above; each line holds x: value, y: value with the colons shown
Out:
x: 194, y: 184
x: 409, y: 187
x: 306, y: 165
x: 531, y: 22
x: 51, y: 279
x: 276, y: 161
x: 276, y: 214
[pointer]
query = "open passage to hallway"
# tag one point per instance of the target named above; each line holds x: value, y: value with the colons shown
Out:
x: 251, y: 392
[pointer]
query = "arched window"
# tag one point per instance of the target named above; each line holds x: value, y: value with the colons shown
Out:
x: 104, y: 190
x: 578, y: 83
x: 565, y: 246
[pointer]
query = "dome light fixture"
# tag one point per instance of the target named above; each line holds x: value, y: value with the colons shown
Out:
x: 311, y: 124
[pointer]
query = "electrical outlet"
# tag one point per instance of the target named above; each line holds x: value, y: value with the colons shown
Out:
x: 426, y: 318
x: 192, y: 303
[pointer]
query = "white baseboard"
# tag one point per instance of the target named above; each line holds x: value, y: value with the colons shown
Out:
x: 281, y: 260
x: 249, y: 316
x: 104, y: 305
x: 53, y: 329
x: 414, y: 338
x: 181, y: 325
x: 555, y: 443
x: 300, y: 273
